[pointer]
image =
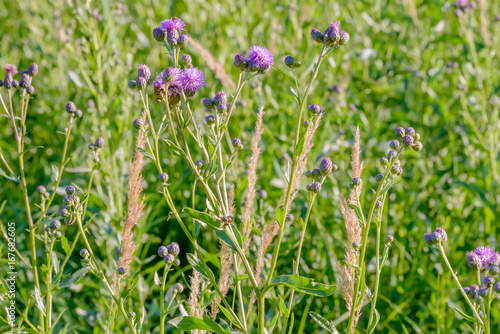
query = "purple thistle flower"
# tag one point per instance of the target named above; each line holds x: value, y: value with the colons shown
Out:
x: 441, y: 235
x: 173, y: 23
x: 11, y: 69
x: 159, y: 81
x: 192, y: 80
x: 473, y: 261
x: 487, y: 256
x: 259, y: 57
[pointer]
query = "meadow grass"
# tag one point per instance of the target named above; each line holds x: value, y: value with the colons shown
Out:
x: 407, y: 63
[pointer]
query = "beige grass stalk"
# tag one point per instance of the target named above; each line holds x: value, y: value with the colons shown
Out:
x: 135, y: 203
x: 252, y: 177
x: 226, y: 260
x: 353, y: 228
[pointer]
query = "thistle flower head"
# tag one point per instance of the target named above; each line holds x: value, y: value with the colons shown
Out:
x: 41, y: 190
x: 240, y: 61
x: 174, y: 249
x: 473, y: 261
x: 437, y: 237
x: 159, y: 34
x: 169, y: 259
x: 259, y: 57
x: 144, y: 71
x: 192, y: 80
x: 487, y: 256
x: 10, y: 69
x: 32, y: 70
x: 162, y: 251
x: 326, y: 166
x: 172, y: 24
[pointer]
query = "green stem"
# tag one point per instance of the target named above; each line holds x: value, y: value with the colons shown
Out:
x: 162, y: 302
x: 377, y: 278
x: 262, y: 314
x: 295, y: 161
x: 48, y: 318
x: 100, y: 274
x: 364, y: 240
x: 478, y: 318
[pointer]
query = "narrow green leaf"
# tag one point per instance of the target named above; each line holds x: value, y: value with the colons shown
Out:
x: 73, y: 278
x: 191, y: 323
x: 303, y: 284
x: 280, y: 215
x: 208, y: 221
x: 325, y: 324
x: 283, y: 308
x: 374, y: 323
x: 464, y: 315
x: 65, y: 245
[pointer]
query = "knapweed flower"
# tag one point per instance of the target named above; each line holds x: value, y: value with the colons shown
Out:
x: 259, y: 59
x: 10, y: 70
x: 192, y: 80
x: 487, y: 256
x: 172, y: 28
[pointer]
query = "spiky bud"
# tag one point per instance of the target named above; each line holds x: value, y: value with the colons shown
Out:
x: 174, y: 249
x: 99, y: 142
x: 317, y: 35
x: 162, y: 251
x: 315, y: 187
x: 186, y: 60
x: 326, y: 166
x: 169, y: 259
x: 70, y: 107
x: 138, y: 123
x: 120, y: 271
x: 220, y: 98
x: 314, y: 109
x: 163, y: 178
x: 237, y: 144
x: 407, y: 140
x: 210, y: 120
x: 70, y: 190
x: 159, y: 34
x: 394, y: 145
x: 289, y: 61
x: 263, y: 194
x: 240, y: 62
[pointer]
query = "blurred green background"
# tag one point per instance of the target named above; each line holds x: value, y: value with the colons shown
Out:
x: 402, y: 67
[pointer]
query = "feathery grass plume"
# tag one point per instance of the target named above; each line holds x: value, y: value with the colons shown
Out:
x: 483, y: 5
x: 193, y: 296
x: 135, y: 203
x: 220, y: 73
x: 252, y: 177
x: 353, y: 228
x: 301, y: 166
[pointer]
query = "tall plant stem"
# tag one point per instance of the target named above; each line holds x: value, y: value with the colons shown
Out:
x: 377, y: 277
x: 476, y: 315
x: 32, y: 227
x: 77, y: 236
x: 296, y: 155
x: 100, y: 274
x: 48, y: 318
x: 162, y: 302
x: 364, y: 241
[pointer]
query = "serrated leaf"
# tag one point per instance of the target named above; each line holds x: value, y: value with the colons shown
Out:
x: 73, y: 278
x: 157, y: 280
x: 195, y: 263
x: 303, y: 284
x: 358, y: 212
x: 146, y: 153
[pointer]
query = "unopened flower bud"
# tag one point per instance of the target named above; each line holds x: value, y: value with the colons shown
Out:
x: 120, y: 271
x: 482, y: 292
x: 407, y: 140
x: 378, y: 204
x: 220, y: 98
x: 396, y: 170
x: 162, y: 251
x: 494, y: 270
x: 169, y: 259
x: 182, y: 41
x: 163, y: 178
x: 70, y: 107
x: 144, y: 72
x: 430, y: 239
x: 400, y: 132
x: 384, y: 161
x: 199, y: 164
x: 326, y: 166
x: 41, y: 190
x: 410, y: 131
x: 177, y: 262
x: 174, y: 248
x: 178, y: 287
x: 289, y: 61
x: 25, y: 81
x: 417, y: 146
x: 15, y: 83
x: 389, y: 239
x: 209, y: 104
x: 496, y: 287
x: 58, y: 234
x: 169, y: 75
x: 379, y: 177
x: 356, y: 245
x: 315, y: 187
x: 394, y: 145
x: 31, y: 90
x: 297, y: 64
x: 237, y: 144
x: 186, y: 60
x: 210, y: 120
x: 70, y: 190
x: 488, y: 282
x: 263, y: 194
x: 307, y: 123
x: 240, y: 62
x: 138, y: 123
x: 55, y: 224
x: 84, y: 253
x: 159, y: 34
x: 309, y: 174
x: 314, y: 109
x: 317, y: 35
x: 132, y: 315
x: 99, y: 142
x: 473, y: 290
x: 64, y: 212
x: 316, y: 173
x: 32, y: 70
x: 132, y: 84
x: 356, y: 181
x: 141, y: 83
x: 344, y: 38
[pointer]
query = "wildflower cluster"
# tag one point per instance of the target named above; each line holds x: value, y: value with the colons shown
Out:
x: 484, y: 262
